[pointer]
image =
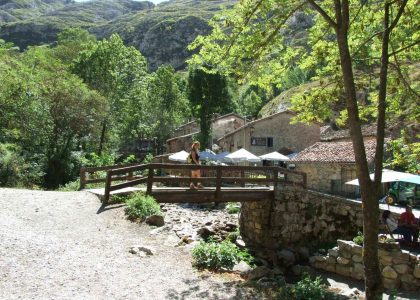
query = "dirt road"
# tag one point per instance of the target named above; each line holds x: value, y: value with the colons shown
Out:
x: 62, y: 245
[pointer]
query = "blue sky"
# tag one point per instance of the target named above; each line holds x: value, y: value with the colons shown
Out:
x: 154, y: 1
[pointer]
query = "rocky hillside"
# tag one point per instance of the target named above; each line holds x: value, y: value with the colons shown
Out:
x: 160, y: 32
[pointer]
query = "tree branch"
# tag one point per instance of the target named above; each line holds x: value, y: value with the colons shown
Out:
x: 323, y: 13
x: 404, y: 48
x: 399, y: 14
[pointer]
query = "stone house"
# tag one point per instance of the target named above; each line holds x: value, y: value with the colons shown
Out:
x: 272, y: 133
x: 329, y: 165
x: 221, y: 125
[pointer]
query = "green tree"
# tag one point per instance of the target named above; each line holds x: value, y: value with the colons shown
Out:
x: 71, y: 42
x: 116, y: 72
x: 208, y: 94
x: 167, y: 105
x: 350, y: 47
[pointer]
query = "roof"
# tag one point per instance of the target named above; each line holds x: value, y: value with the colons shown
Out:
x: 182, y: 136
x: 327, y: 133
x: 333, y: 152
x: 253, y: 122
x: 215, y: 119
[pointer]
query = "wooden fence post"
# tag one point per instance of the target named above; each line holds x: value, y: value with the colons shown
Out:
x: 275, y: 177
x: 150, y: 181
x: 82, y: 178
x: 218, y: 181
x: 242, y: 176
x: 107, y: 186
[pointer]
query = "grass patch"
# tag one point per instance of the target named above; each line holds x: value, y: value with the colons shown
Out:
x: 216, y: 256
x: 233, y: 208
x: 140, y: 206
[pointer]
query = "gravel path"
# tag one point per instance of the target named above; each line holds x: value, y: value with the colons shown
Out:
x: 62, y: 245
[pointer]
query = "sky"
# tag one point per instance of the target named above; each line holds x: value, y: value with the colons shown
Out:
x: 154, y: 1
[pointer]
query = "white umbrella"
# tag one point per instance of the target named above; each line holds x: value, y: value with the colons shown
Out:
x: 391, y: 176
x: 180, y: 156
x: 242, y: 155
x: 274, y: 156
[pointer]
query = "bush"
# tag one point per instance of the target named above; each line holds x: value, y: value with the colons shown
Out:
x: 215, y: 256
x: 233, y: 208
x: 140, y: 206
x: 305, y: 289
x: 309, y: 289
x: 233, y: 236
x: 358, y: 239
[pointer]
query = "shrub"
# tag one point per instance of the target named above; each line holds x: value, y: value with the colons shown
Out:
x: 233, y: 236
x: 358, y: 239
x: 233, y: 208
x: 215, y: 256
x: 305, y: 289
x: 309, y: 289
x: 140, y: 206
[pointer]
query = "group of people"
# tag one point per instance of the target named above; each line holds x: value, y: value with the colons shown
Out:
x: 407, y: 225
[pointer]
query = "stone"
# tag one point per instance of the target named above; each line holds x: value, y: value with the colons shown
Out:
x: 389, y: 272
x: 358, y: 271
x: 356, y: 249
x: 142, y: 250
x: 333, y: 252
x: 343, y: 260
x: 303, y: 253
x: 391, y: 284
x: 385, y: 260
x: 357, y: 258
x: 416, y: 272
x: 345, y: 254
x: 344, y: 245
x: 258, y: 272
x: 343, y: 270
x: 240, y: 243
x: 331, y: 260
x: 286, y: 257
x: 155, y: 220
x: 205, y: 232
x: 158, y: 230
x: 330, y: 267
x: 242, y: 268
x: 266, y: 282
x: 352, y: 293
x: 402, y: 269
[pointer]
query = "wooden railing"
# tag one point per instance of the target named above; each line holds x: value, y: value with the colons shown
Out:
x: 134, y: 175
x: 92, y: 174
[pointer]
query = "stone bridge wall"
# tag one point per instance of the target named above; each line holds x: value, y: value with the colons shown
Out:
x: 297, y: 217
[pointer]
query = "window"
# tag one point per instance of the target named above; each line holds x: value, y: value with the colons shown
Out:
x: 270, y: 142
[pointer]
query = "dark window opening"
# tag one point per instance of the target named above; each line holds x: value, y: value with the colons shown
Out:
x: 270, y: 142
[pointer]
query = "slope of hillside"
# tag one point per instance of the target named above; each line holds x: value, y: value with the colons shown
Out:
x: 160, y: 32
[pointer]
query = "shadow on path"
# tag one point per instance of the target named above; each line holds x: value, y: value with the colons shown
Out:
x: 105, y: 207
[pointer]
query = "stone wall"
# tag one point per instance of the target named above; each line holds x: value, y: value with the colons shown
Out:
x: 297, y: 217
x: 400, y: 269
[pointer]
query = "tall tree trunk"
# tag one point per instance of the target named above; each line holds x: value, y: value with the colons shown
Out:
x: 369, y: 191
x: 102, y: 140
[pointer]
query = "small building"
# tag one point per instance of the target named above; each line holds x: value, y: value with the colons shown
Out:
x: 272, y: 133
x: 329, y: 165
x: 221, y: 125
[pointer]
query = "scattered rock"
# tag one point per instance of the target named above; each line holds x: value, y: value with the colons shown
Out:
x: 155, y: 220
x: 242, y: 268
x: 352, y: 293
x: 286, y: 257
x: 205, y: 232
x: 266, y: 282
x: 142, y: 250
x: 240, y: 243
x: 258, y: 273
x: 389, y: 272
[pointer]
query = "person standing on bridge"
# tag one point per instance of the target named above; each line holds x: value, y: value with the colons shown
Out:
x: 194, y: 158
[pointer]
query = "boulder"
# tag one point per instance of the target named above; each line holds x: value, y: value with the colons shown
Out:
x: 357, y: 258
x: 333, y: 252
x: 402, y: 269
x: 343, y: 260
x: 389, y: 272
x: 142, y: 250
x: 205, y: 232
x: 242, y: 268
x: 391, y: 284
x: 259, y: 272
x: 303, y: 253
x: 416, y: 272
x: 155, y: 220
x: 286, y: 257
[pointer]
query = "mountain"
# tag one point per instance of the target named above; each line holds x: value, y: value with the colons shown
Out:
x: 160, y: 32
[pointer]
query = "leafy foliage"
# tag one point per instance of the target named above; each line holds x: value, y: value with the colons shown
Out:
x: 208, y: 94
x: 405, y: 154
x: 233, y: 208
x: 358, y: 239
x: 140, y: 206
x: 216, y: 256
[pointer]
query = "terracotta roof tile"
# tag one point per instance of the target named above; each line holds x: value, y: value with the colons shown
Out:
x: 327, y: 152
x: 329, y: 134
